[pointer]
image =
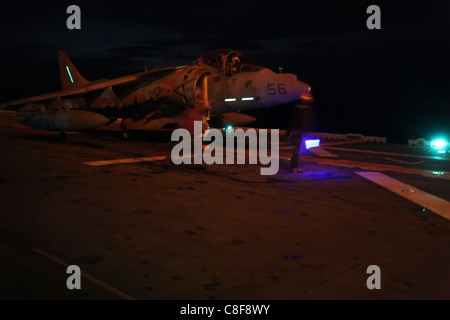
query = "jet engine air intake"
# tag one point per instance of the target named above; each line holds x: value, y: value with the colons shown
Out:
x: 195, y: 89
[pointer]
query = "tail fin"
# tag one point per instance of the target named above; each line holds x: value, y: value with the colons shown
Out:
x: 70, y: 77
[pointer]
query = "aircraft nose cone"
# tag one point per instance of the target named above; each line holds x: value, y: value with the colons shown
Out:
x: 306, y: 95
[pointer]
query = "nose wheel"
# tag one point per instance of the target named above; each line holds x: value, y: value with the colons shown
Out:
x: 205, y: 119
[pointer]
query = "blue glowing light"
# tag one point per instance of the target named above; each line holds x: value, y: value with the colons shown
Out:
x: 68, y: 71
x: 312, y: 143
x: 442, y: 151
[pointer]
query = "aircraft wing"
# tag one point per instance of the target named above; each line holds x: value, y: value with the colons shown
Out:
x: 86, y: 105
x: 120, y: 86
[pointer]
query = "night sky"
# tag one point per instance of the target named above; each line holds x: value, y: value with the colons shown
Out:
x: 391, y: 82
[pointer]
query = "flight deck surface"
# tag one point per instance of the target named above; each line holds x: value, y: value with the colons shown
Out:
x: 151, y: 230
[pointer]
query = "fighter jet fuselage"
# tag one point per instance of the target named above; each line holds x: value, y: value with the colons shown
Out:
x: 223, y: 83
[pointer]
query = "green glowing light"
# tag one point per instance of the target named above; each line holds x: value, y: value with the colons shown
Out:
x: 439, y: 143
x: 68, y: 71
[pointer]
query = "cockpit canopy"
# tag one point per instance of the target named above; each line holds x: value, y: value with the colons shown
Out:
x: 227, y: 61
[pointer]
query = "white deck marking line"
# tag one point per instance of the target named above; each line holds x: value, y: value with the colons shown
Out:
x: 86, y: 275
x: 387, y: 153
x: 320, y: 152
x: 154, y: 158
x: 327, y: 161
x: 341, y: 142
x: 405, y: 162
x: 131, y: 160
x: 121, y: 161
x: 376, y: 166
x: 426, y: 200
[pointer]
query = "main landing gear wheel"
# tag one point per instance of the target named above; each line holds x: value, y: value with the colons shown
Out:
x: 128, y: 134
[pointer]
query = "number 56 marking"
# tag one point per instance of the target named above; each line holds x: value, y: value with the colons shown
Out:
x: 280, y: 88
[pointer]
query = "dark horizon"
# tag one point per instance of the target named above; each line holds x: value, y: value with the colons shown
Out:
x: 391, y: 82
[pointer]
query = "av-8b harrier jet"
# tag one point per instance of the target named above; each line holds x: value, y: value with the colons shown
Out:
x: 217, y: 87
